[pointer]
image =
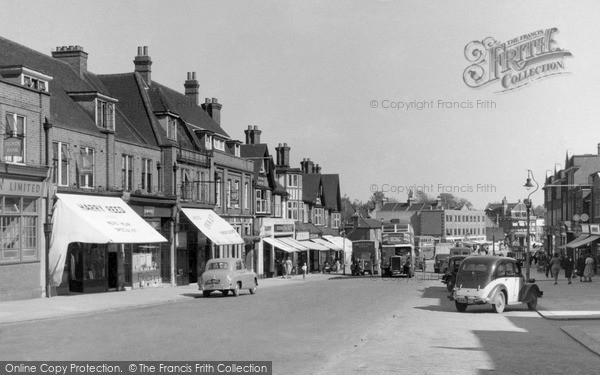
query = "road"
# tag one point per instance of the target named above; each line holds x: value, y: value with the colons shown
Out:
x: 338, y: 326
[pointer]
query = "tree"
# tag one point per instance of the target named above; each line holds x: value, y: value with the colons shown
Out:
x: 453, y: 202
x: 539, y: 211
x: 422, y: 196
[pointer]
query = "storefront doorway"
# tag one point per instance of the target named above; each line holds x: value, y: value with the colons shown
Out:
x: 113, y: 270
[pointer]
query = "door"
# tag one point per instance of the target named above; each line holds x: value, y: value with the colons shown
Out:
x: 182, y: 276
x: 113, y: 270
x: 192, y: 243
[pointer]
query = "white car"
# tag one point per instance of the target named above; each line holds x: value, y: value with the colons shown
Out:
x: 493, y: 280
x: 225, y: 275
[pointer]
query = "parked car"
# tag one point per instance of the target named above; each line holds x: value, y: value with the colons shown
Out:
x: 225, y: 275
x: 493, y: 280
x: 451, y: 271
x: 438, y: 262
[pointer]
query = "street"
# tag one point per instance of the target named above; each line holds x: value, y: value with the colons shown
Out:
x: 338, y: 325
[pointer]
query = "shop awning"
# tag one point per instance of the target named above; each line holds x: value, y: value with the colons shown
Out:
x: 279, y: 244
x: 213, y: 226
x: 293, y: 243
x: 94, y: 219
x: 327, y: 244
x: 345, y: 243
x: 313, y: 245
x: 582, y: 241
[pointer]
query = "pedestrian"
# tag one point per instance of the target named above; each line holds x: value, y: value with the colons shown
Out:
x: 580, y: 266
x: 568, y: 265
x: 288, y: 268
x: 304, y: 268
x: 555, y: 267
x: 548, y: 265
x: 588, y: 272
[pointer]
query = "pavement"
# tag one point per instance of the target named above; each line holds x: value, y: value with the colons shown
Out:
x: 565, y: 302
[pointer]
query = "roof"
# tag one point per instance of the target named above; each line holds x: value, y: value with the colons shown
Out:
x: 307, y: 227
x: 258, y: 150
x: 310, y: 186
x: 331, y: 191
x: 64, y: 112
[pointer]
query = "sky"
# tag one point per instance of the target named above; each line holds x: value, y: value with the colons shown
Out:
x: 332, y: 79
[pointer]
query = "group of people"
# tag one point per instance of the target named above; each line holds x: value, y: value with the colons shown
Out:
x: 585, y: 267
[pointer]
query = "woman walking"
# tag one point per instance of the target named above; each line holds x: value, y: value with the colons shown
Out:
x: 555, y: 267
x: 588, y: 272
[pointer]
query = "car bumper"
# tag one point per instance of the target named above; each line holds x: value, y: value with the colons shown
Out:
x: 471, y: 300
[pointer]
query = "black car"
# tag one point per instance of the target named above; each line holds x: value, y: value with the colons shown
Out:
x: 450, y: 276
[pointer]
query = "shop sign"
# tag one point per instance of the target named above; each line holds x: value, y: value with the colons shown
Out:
x: 267, y: 230
x: 595, y: 229
x: 13, y: 146
x: 301, y: 236
x: 395, y: 238
x: 284, y: 228
x: 23, y: 188
x: 148, y: 211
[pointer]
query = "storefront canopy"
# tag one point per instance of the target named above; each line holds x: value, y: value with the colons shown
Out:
x: 279, y: 244
x: 213, y: 226
x: 327, y: 244
x: 293, y: 243
x: 313, y: 245
x: 94, y: 219
x: 582, y: 241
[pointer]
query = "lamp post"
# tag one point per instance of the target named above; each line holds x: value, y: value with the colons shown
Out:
x: 528, y: 185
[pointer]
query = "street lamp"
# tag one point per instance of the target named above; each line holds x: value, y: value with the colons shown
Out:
x: 528, y: 185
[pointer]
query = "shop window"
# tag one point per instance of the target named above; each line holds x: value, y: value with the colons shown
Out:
x: 14, y: 138
x: 19, y: 229
x: 145, y: 265
x: 85, y: 167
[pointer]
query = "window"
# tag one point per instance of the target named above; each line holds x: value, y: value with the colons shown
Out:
x: 318, y: 216
x: 218, y: 191
x: 246, y: 194
x: 35, y: 83
x: 277, y: 204
x: 60, y: 163
x: 235, y: 195
x: 105, y: 114
x: 14, y: 138
x: 18, y: 225
x: 219, y: 144
x: 172, y: 128
x: 229, y: 192
x: 147, y: 175
x: 186, y: 185
x: 127, y: 172
x: 85, y: 167
x: 208, y: 142
x: 263, y: 201
x: 337, y: 220
x: 293, y: 180
x: 292, y: 211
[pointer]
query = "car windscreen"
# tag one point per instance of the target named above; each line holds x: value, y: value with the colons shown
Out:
x: 218, y: 266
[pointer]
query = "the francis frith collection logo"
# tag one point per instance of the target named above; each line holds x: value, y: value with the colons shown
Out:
x: 515, y: 63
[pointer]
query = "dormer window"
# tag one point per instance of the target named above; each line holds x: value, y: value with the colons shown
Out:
x: 172, y: 128
x: 105, y: 114
x: 237, y: 150
x: 35, y: 83
x: 219, y: 144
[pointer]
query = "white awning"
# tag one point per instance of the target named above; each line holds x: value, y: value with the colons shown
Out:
x: 293, y: 243
x: 314, y: 246
x: 279, y: 244
x: 327, y: 244
x: 94, y: 219
x: 213, y: 226
x: 345, y: 243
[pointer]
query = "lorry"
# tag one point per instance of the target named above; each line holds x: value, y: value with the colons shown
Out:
x: 397, y: 260
x: 364, y: 257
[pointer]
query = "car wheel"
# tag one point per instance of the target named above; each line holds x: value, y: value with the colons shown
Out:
x: 450, y: 284
x: 499, y: 303
x: 460, y: 307
x: 225, y: 293
x: 533, y: 304
x: 236, y: 290
x: 206, y: 293
x: 253, y: 289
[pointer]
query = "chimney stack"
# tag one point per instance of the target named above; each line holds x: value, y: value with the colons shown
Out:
x: 283, y: 155
x: 143, y: 64
x: 74, y: 56
x: 191, y: 88
x: 213, y: 108
x: 252, y: 135
x: 317, y: 169
x: 310, y: 166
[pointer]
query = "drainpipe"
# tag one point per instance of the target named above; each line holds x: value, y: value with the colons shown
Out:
x: 48, y: 222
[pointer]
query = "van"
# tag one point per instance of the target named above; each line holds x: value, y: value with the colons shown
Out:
x: 460, y: 251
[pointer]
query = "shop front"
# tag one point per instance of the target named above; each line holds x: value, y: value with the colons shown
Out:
x: 90, y: 256
x: 274, y: 247
x: 205, y: 235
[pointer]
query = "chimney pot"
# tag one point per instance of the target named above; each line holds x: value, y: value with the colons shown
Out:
x: 145, y: 50
x: 140, y: 51
x: 215, y: 100
x: 255, y: 127
x: 206, y: 100
x: 194, y: 76
x: 280, y: 145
